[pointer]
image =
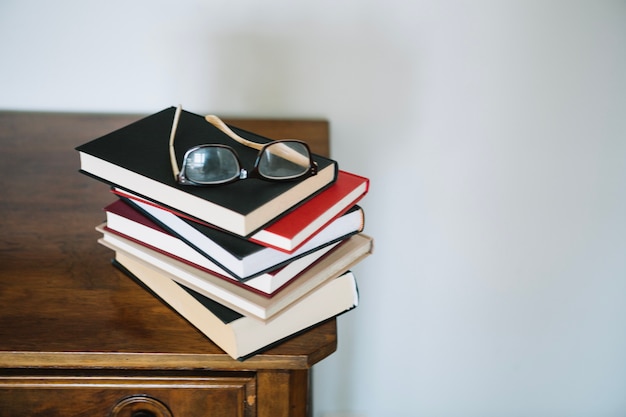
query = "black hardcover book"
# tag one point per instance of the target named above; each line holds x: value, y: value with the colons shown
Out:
x: 136, y: 158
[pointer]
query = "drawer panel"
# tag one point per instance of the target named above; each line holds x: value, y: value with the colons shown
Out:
x: 134, y: 396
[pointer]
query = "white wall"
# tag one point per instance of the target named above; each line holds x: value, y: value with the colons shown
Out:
x: 493, y: 133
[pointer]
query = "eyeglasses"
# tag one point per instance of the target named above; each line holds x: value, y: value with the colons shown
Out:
x: 216, y: 164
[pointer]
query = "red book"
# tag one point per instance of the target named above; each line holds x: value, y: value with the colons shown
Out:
x: 290, y: 232
x: 295, y: 228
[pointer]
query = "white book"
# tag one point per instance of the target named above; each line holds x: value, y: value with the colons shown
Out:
x: 236, y: 296
x: 238, y: 257
x: 146, y: 232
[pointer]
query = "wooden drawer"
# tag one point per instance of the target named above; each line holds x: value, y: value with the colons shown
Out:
x: 216, y: 395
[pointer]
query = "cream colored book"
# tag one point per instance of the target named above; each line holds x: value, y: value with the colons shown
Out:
x: 238, y: 335
x: 238, y: 297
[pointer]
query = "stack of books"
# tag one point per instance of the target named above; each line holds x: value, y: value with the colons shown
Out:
x: 249, y: 263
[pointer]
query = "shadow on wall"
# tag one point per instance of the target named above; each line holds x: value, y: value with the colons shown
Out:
x: 253, y: 76
x: 365, y: 87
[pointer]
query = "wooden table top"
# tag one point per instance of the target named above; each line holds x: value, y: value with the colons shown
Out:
x: 62, y: 303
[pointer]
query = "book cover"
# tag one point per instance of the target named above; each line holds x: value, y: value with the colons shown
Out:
x: 297, y: 226
x: 242, y: 336
x: 339, y: 260
x: 136, y: 158
x: 238, y: 257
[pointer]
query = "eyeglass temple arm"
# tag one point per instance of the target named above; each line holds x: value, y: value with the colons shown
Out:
x: 218, y: 123
x: 175, y: 169
x: 282, y: 151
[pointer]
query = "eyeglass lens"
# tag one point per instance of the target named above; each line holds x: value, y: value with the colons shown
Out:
x: 284, y: 160
x: 278, y: 161
x: 211, y: 165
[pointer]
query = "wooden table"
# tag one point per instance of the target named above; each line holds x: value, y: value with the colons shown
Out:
x: 77, y: 337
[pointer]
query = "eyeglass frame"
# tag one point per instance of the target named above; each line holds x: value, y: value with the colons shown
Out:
x: 179, y: 173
